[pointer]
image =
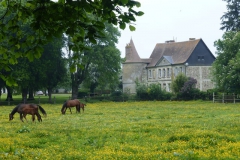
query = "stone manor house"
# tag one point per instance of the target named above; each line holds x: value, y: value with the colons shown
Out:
x: 192, y: 58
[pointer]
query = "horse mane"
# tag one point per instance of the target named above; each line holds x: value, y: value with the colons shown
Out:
x: 15, y: 109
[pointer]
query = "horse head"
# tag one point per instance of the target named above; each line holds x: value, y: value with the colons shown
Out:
x: 10, y: 117
x: 64, y: 107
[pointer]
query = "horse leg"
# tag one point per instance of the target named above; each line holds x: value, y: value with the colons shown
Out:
x: 39, y: 117
x: 24, y: 115
x: 33, y: 117
x: 78, y: 109
x: 70, y: 110
x: 21, y: 117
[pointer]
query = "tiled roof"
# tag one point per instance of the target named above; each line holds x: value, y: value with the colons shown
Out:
x: 134, y: 54
x: 178, y: 51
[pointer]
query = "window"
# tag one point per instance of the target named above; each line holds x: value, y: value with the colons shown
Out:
x: 150, y: 73
x: 169, y: 87
x: 164, y: 86
x: 168, y: 72
x: 159, y: 73
x: 176, y: 72
x: 200, y: 58
x: 164, y: 73
x: 180, y: 70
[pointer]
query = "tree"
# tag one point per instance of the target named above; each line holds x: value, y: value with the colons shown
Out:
x: 226, y: 66
x: 178, y: 83
x: 45, y: 72
x: 231, y: 19
x: 101, y: 62
x: 53, y: 65
x: 49, y: 19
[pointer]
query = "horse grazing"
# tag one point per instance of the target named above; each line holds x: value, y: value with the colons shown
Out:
x: 81, y: 106
x: 24, y: 109
x: 69, y: 104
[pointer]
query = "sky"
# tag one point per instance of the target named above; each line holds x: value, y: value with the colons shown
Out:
x: 176, y: 20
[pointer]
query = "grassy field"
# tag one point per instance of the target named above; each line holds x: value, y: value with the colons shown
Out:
x: 125, y: 130
x: 39, y: 99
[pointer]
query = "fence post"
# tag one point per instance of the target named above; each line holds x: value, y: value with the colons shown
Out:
x: 233, y: 98
x: 223, y: 98
x: 213, y: 97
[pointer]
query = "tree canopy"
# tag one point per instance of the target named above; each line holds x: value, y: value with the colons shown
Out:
x: 100, y: 63
x: 48, y: 19
x: 226, y: 67
x: 231, y: 20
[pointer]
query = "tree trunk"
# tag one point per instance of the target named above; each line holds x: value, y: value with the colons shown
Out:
x: 49, y: 95
x: 30, y: 95
x: 75, y: 85
x: 74, y: 90
x: 9, y: 94
x: 24, y: 95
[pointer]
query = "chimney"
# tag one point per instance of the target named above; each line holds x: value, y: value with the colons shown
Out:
x: 191, y: 39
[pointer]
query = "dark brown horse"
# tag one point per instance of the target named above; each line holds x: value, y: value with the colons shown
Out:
x: 24, y: 109
x: 69, y: 104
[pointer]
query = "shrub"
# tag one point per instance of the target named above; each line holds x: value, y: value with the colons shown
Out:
x: 82, y: 94
x: 154, y: 92
x: 141, y: 90
x: 178, y: 83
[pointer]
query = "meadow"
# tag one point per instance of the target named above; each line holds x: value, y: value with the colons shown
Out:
x: 125, y: 130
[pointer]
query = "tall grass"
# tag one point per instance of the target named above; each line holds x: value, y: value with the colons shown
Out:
x: 126, y: 130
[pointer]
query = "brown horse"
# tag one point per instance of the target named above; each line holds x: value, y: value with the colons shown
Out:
x: 81, y: 106
x: 24, y: 109
x: 69, y: 104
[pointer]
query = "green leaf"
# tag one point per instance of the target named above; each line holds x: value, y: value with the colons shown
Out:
x: 18, y: 46
x: 132, y: 28
x: 72, y: 68
x: 138, y: 4
x: 140, y: 13
x: 92, y: 40
x: 61, y: 1
x: 4, y: 3
x: 80, y: 66
x: 122, y: 25
x: 124, y: 1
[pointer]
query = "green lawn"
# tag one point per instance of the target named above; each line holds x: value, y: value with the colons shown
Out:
x: 125, y: 130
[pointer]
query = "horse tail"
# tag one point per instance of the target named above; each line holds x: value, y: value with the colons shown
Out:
x: 42, y: 110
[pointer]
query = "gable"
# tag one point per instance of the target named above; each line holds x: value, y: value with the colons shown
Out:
x: 164, y: 61
x: 201, y: 56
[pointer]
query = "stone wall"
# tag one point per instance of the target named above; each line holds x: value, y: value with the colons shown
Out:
x: 202, y: 75
x: 132, y: 72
